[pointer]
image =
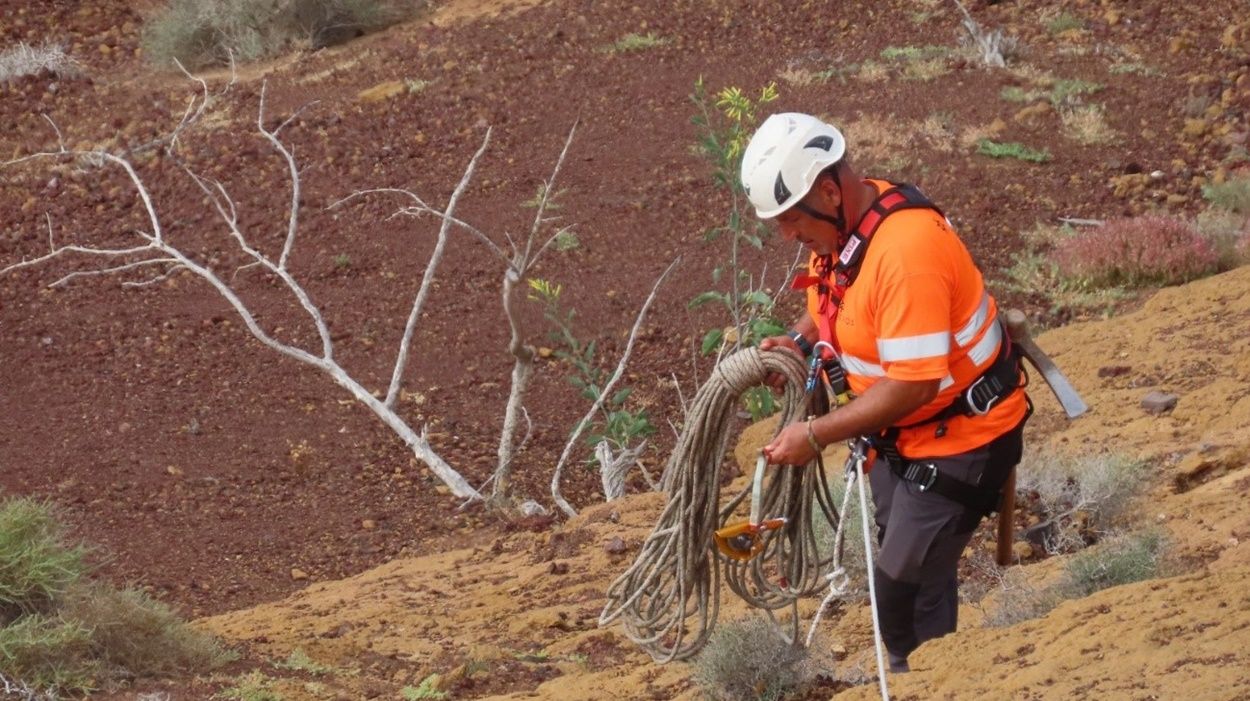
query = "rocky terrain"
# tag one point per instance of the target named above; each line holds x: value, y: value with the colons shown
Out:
x: 246, y: 487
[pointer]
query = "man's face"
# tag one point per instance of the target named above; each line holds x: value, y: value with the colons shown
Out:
x: 819, y: 236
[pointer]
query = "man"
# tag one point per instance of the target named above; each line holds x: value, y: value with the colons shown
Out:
x: 896, y: 295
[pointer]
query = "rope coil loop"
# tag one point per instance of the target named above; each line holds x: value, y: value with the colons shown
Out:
x: 676, y: 576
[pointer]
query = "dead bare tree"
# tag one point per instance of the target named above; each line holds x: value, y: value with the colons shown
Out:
x: 518, y: 261
x: 156, y: 251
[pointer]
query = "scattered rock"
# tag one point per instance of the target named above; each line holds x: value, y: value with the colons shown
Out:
x: 298, y: 575
x: 338, y: 631
x: 558, y: 568
x: 615, y: 546
x: 1159, y: 402
x: 368, y: 524
x: 1114, y: 370
x: 382, y: 91
x: 545, y: 352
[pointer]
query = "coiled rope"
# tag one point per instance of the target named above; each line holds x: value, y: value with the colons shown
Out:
x: 676, y: 576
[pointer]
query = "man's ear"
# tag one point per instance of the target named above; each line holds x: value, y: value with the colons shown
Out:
x: 829, y: 190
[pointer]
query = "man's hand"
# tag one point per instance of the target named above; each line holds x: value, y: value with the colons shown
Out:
x: 775, y: 379
x: 790, y: 447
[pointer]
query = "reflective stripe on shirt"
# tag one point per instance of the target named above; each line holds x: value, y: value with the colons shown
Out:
x: 984, y: 350
x: 858, y: 366
x: 965, y: 335
x: 913, y: 347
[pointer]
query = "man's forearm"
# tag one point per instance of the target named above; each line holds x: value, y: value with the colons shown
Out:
x: 880, y: 407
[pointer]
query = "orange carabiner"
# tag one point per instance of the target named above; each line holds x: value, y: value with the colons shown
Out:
x: 743, y: 541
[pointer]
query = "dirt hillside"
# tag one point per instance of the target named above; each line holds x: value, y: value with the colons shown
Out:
x: 245, y: 489
x: 525, y: 606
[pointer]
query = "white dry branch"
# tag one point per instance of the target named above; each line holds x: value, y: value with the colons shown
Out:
x: 603, y: 396
x: 17, y: 689
x: 614, y: 468
x: 157, y: 250
x: 991, y: 46
x: 518, y: 260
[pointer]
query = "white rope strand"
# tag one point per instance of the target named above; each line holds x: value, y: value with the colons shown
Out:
x: 872, y: 584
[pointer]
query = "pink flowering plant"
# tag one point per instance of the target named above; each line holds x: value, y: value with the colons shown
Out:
x: 1145, y: 250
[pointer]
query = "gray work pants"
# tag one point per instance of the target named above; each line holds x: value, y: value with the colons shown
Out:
x: 922, y: 537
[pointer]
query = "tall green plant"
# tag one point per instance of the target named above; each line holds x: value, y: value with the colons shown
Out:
x: 725, y: 122
x: 620, y: 427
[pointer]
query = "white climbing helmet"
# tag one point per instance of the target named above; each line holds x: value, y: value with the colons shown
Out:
x: 783, y: 159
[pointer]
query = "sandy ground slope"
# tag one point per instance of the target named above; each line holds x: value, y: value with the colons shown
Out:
x: 527, y: 605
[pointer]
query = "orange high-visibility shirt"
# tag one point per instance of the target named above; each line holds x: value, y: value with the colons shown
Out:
x: 919, y: 310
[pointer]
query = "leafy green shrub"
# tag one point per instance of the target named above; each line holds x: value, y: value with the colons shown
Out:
x: 914, y: 53
x: 1143, y: 250
x: 620, y: 427
x: 61, y: 633
x: 427, y: 689
x: 748, y: 660
x: 199, y: 33
x: 1124, y: 559
x: 1068, y: 92
x: 299, y: 661
x: 1011, y: 149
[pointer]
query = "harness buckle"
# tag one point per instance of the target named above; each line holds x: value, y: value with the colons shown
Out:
x: 982, y: 395
x: 923, y: 474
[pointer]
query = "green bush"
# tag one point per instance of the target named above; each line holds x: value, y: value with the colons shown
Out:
x: 62, y: 633
x: 200, y: 33
x: 748, y: 660
x: 35, y: 566
x: 635, y: 42
x: 255, y: 686
x: 1123, y: 560
x: 1232, y: 195
x: 1011, y: 149
x: 48, y: 653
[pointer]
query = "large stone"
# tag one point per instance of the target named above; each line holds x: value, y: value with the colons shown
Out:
x: 1159, y: 402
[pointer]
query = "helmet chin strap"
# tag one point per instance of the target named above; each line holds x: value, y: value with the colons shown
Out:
x: 839, y: 220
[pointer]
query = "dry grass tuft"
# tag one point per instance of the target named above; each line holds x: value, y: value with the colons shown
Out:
x: 24, y: 59
x: 200, y: 33
x: 748, y: 660
x: 1087, y: 125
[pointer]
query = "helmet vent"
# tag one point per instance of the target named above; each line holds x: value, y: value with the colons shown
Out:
x: 781, y: 193
x: 824, y: 143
